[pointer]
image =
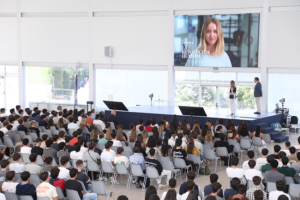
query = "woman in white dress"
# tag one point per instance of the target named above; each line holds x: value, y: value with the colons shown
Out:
x: 232, y: 97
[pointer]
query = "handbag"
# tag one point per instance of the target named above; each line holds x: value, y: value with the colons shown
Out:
x: 98, y: 162
x: 206, y: 170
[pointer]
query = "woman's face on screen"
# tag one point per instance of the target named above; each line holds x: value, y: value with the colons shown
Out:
x: 211, y: 34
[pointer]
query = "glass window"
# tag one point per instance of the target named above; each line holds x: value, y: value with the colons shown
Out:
x: 208, y: 96
x: 187, y: 94
x: 284, y: 86
x: 221, y: 78
x: 247, y: 78
x: 12, y: 70
x: 55, y: 85
x: 2, y: 70
x: 132, y: 87
x: 12, y: 92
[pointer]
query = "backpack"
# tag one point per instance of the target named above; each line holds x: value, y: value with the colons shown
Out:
x: 294, y: 120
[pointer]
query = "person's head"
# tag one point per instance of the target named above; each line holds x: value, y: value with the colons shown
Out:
x: 79, y: 164
x: 25, y: 176
x: 12, y: 111
x: 256, y: 79
x: 113, y: 112
x: 61, y: 146
x: 292, y: 150
x: 21, y: 121
x: 274, y: 164
x: 213, y: 178
x: 154, y: 197
x: 92, y: 146
x: 171, y: 194
x: 189, y: 185
x: 234, y: 183
x: 10, y: 175
x: 265, y: 151
x: 44, y: 176
x: 178, y: 142
x: 215, y: 187
x: 221, y: 121
x: 222, y: 137
x: 2, y: 110
x: 277, y: 148
x: 49, y: 161
x: 49, y: 143
x: 108, y: 145
x: 258, y: 195
x: 285, y: 160
x: 270, y: 158
x: 234, y: 161
x: 250, y: 154
x: 113, y: 135
x: 251, y: 164
x: 54, y: 172
x: 281, y: 154
x: 191, y: 175
x: 61, y: 134
x: 44, y: 137
x: 25, y: 142
x: 172, y: 183
x: 256, y: 180
x: 150, y: 190
x: 120, y: 150
x: 64, y: 160
x: 152, y: 152
x: 208, y: 197
x: 73, y: 173
x: 282, y: 197
x: 4, y: 164
x: 9, y: 127
x: 77, y: 147
x: 136, y: 149
x: 33, y: 157
x: 122, y: 197
x: 287, y: 144
x: 219, y: 128
x: 148, y: 122
x: 280, y: 185
x: 241, y: 189
x: 16, y: 157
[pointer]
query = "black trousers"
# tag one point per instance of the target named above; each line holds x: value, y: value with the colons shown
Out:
x: 194, y: 166
x: 227, y: 159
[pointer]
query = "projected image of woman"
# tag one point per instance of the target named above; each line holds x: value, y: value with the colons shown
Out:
x: 212, y: 41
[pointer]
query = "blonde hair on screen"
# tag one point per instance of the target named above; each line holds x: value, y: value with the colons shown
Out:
x: 220, y: 42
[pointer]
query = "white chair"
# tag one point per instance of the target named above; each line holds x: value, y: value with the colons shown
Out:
x: 107, y: 168
x: 245, y: 144
x: 73, y: 194
x: 92, y: 166
x: 267, y: 139
x: 25, y: 197
x: 60, y: 193
x: 222, y: 151
x: 136, y: 170
x: 168, y: 165
x: 271, y: 187
x: 98, y: 187
x: 193, y: 158
x: 289, y: 180
x: 294, y: 190
x: 9, y: 144
x: 257, y: 142
x: 122, y: 170
x: 25, y: 158
x: 35, y: 180
x: 112, y: 125
x: 209, y: 154
x: 180, y: 164
x: 152, y: 172
x: 237, y: 149
x: 10, y: 196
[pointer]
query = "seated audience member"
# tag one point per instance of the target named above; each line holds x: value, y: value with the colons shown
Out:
x: 223, y: 143
x: 190, y: 176
x: 281, y: 155
x: 61, y: 135
x: 25, y: 188
x: 287, y: 148
x: 4, y: 128
x: 64, y: 172
x: 172, y: 185
x: 189, y: 185
x: 82, y: 143
x: 298, y: 146
x: 72, y: 125
x: 234, y: 171
x: 165, y: 150
x: 150, y: 191
x: 277, y: 149
x: 21, y: 126
x: 257, y: 182
x: 16, y: 166
x: 49, y: 151
x: 81, y: 176
x: 33, y: 168
x: 37, y: 148
x: 178, y: 152
x: 115, y: 141
x: 219, y: 131
x: 208, y: 189
x: 45, y: 189
x: 43, y: 121
x: 263, y: 160
x: 292, y: 156
x: 267, y: 167
x: 12, y: 136
x: 250, y: 173
x: 273, y: 175
x: 216, y: 189
x: 119, y: 159
x: 251, y: 156
x: 258, y: 195
x: 44, y: 138
x: 10, y: 186
x: 76, y: 154
x: 62, y: 151
x: 152, y: 162
x: 137, y: 159
x: 68, y: 146
x: 285, y: 169
x: 97, y: 121
x: 75, y: 138
x: 72, y: 184
x: 102, y: 140
x: 33, y: 128
x: 55, y: 144
x: 49, y: 162
x: 141, y: 123
x: 91, y: 155
x: 149, y: 127
x: 241, y: 189
x: 4, y: 167
x: 280, y: 186
x: 26, y: 146
x: 233, y: 190
x: 107, y: 156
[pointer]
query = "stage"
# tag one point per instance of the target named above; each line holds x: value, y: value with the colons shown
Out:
x: 252, y: 120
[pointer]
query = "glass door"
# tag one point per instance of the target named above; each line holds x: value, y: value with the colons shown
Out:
x: 2, y: 92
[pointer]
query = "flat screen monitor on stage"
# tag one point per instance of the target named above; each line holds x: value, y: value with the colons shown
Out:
x: 115, y: 105
x: 195, y: 111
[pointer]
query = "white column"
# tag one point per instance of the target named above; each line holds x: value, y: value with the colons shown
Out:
x: 200, y: 89
x: 170, y: 43
x: 92, y: 82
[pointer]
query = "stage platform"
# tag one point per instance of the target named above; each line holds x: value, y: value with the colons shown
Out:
x: 252, y: 120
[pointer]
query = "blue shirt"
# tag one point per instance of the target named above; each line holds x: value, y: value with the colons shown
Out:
x: 183, y: 189
x: 229, y: 192
x: 93, y: 116
x: 137, y: 160
x: 37, y: 118
x: 209, y: 61
x: 208, y: 191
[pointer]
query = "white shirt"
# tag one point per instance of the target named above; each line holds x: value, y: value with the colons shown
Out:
x: 246, y: 166
x: 121, y: 160
x: 73, y: 126
x: 199, y: 146
x: 64, y: 173
x: 62, y: 140
x: 4, y: 130
x: 83, y: 149
x: 9, y: 187
x: 163, y: 196
x: 3, y: 115
x: 77, y: 155
x: 17, y: 167
x: 26, y: 150
x: 185, y: 195
x: 171, y: 143
x: 16, y: 123
x: 250, y: 173
x: 112, y: 152
x: 261, y: 161
x: 288, y: 154
x: 276, y: 194
x: 79, y: 119
x: 106, y: 156
x: 99, y: 122
x: 235, y: 172
x: 117, y: 143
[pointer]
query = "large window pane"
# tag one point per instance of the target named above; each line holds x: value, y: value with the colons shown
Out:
x: 186, y: 94
x: 55, y: 85
x: 222, y: 78
x: 208, y: 97
x: 284, y: 86
x: 247, y: 78
x: 245, y: 100
x: 132, y: 87
x: 12, y: 92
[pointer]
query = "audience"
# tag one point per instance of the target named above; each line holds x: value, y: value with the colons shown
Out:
x: 273, y: 175
x: 189, y: 185
x: 280, y: 186
x: 45, y: 189
x: 137, y: 159
x: 257, y: 181
x: 37, y: 148
x: 172, y: 185
x: 251, y: 156
x: 25, y: 188
x: 287, y: 148
x: 26, y: 146
x: 267, y: 167
x: 49, y: 162
x: 16, y: 166
x: 263, y: 160
x: 277, y: 149
x: 33, y: 168
x: 216, y: 189
x: 233, y: 190
x: 241, y: 191
x: 234, y: 171
x: 208, y: 189
x: 250, y: 173
x: 64, y: 173
x: 4, y: 167
x: 81, y: 176
x: 10, y: 186
x: 292, y: 156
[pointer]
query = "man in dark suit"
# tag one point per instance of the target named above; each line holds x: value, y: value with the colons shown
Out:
x: 257, y: 94
x: 113, y: 118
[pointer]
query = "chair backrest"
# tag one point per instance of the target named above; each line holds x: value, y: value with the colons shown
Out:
x: 71, y: 131
x: 22, y: 134
x: 256, y: 141
x: 112, y: 125
x: 99, y: 128
x: 168, y: 165
x: 222, y: 151
x: 244, y: 137
x: 209, y: 154
x: 83, y: 186
x: 211, y: 143
x: 107, y: 167
x: 123, y: 144
x: 237, y: 148
x: 129, y: 149
x: 8, y: 142
x: 289, y: 180
x: 193, y: 158
x: 73, y: 194
x: 271, y: 187
x: 152, y: 172
x: 60, y: 193
x: 10, y: 196
x: 245, y: 144
x: 206, y: 146
x: 121, y: 169
x: 179, y: 163
x: 131, y: 144
x: 43, y: 198
x: 114, y: 148
x: 62, y: 129
x: 267, y: 138
x: 18, y: 176
x: 25, y: 197
x: 136, y: 170
x: 231, y: 141
x: 164, y: 158
x: 217, y: 139
x: 35, y: 179
x: 294, y: 120
x: 127, y: 154
x: 150, y: 134
x: 293, y: 190
x: 25, y: 158
x: 98, y: 187
x: 40, y: 160
x: 92, y: 166
x: 55, y: 164
x: 100, y: 146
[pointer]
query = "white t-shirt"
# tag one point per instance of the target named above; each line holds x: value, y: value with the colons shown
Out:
x: 246, y: 166
x: 2, y: 196
x: 3, y: 115
x: 16, y: 123
x: 235, y: 172
x: 26, y: 150
x: 83, y: 149
x: 171, y: 143
x: 64, y: 173
x: 261, y: 161
x: 122, y: 160
x: 185, y: 195
x: 117, y: 143
x: 276, y: 194
x: 45, y: 189
x: 79, y: 119
x: 62, y: 140
x: 163, y: 196
x: 112, y: 152
x: 9, y: 187
x: 99, y: 122
x: 107, y: 156
x: 250, y: 173
x: 199, y: 146
x: 77, y: 155
x: 73, y: 126
x: 17, y: 167
x: 4, y: 130
x: 288, y: 154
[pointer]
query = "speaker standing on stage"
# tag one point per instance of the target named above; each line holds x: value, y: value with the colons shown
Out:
x: 232, y: 97
x: 257, y: 94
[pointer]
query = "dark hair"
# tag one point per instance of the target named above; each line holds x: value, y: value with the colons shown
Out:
x: 222, y: 137
x: 33, y: 157
x: 219, y: 128
x: 92, y: 145
x: 16, y: 156
x: 151, y: 143
x: 191, y: 175
x: 281, y: 154
x: 120, y: 150
x: 270, y: 158
x: 55, y: 137
x: 64, y: 160
x: 43, y: 117
x: 122, y: 197
x: 189, y: 185
x: 49, y: 143
x: 274, y: 164
x: 150, y: 190
x: 25, y: 141
x: 258, y: 195
x: 256, y: 78
x: 154, y: 197
x: 277, y: 148
x: 285, y: 160
x: 264, y: 151
x: 251, y: 163
x: 9, y: 126
x: 108, y: 145
x: 172, y: 182
x: 44, y: 176
x: 209, y: 197
x: 148, y: 122
x: 287, y: 144
x: 250, y: 154
x: 61, y: 134
x: 12, y: 111
x: 234, y: 183
x: 283, y: 197
x: 171, y: 195
x: 73, y: 172
x: 292, y: 150
x: 190, y: 146
x: 215, y: 187
x: 79, y: 163
x: 77, y: 147
x: 75, y: 134
x: 61, y: 145
x: 193, y: 195
x: 241, y: 189
x: 10, y: 175
x: 280, y: 185
x: 152, y: 152
x: 48, y: 160
x: 234, y: 161
x: 25, y: 175
x: 136, y: 149
x: 257, y: 131
x: 44, y: 137
x: 221, y: 121
x: 256, y: 180
x: 4, y: 163
x: 178, y: 143
x: 213, y: 178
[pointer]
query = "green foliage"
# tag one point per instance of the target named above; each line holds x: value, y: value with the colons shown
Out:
x: 186, y: 94
x: 246, y: 100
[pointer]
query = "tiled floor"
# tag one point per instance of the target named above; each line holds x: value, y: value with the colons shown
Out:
x: 137, y: 194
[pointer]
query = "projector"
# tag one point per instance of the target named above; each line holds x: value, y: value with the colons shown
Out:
x: 282, y: 100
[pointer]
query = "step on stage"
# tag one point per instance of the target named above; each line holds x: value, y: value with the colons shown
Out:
x: 252, y: 120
